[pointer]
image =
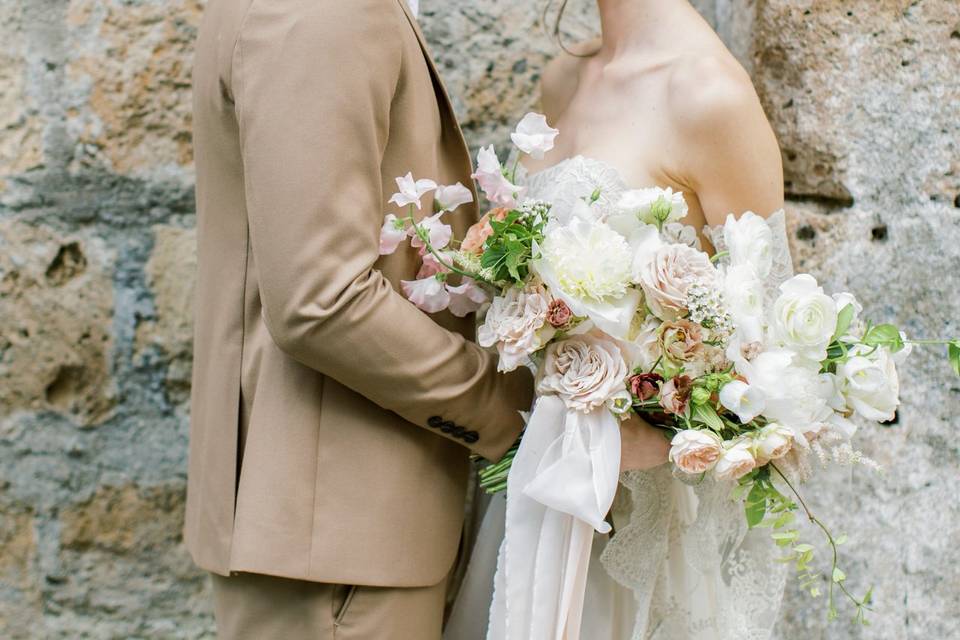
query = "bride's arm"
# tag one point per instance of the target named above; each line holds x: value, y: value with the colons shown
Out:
x: 730, y: 158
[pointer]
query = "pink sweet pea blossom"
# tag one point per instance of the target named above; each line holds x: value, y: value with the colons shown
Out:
x: 466, y: 298
x: 489, y: 176
x: 430, y: 294
x: 449, y: 197
x: 439, y: 233
x: 411, y: 190
x: 391, y: 235
x: 431, y: 266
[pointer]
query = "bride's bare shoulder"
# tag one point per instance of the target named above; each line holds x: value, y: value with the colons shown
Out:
x: 561, y: 75
x: 711, y: 94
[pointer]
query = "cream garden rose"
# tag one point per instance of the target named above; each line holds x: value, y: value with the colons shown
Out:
x: 736, y: 461
x: 516, y: 324
x: 669, y: 274
x: 772, y: 442
x: 695, y: 451
x: 586, y: 371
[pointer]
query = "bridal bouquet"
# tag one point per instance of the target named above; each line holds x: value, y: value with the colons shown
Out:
x: 753, y: 373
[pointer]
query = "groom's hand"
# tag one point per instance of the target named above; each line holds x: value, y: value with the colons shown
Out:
x: 641, y: 445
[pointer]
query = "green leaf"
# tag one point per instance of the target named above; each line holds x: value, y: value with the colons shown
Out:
x: 953, y: 352
x: 841, y: 539
x: 838, y: 575
x: 706, y: 414
x: 803, y: 548
x: 884, y: 335
x: 844, y: 318
x: 756, y: 506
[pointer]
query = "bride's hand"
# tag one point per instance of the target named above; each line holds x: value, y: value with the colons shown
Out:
x: 641, y: 445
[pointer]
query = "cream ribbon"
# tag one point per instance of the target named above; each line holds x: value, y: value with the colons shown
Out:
x: 560, y: 489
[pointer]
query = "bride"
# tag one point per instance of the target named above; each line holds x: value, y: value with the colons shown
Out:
x: 657, y: 100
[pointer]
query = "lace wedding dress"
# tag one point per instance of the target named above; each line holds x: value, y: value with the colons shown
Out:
x: 680, y: 563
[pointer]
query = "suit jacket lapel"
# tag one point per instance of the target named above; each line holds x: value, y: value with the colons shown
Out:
x: 443, y: 97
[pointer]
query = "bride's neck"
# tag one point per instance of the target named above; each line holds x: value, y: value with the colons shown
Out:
x: 628, y: 25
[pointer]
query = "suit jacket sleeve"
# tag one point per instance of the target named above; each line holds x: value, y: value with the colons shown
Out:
x: 313, y: 82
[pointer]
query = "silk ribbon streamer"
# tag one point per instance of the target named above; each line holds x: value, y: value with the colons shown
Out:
x: 560, y: 488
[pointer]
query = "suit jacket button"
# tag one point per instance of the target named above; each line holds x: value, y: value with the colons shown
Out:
x: 447, y: 427
x: 434, y: 421
x: 470, y: 437
x: 458, y: 431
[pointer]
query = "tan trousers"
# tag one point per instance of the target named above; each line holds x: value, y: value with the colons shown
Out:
x: 256, y: 607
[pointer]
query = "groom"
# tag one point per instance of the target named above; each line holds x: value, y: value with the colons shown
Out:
x: 331, y: 420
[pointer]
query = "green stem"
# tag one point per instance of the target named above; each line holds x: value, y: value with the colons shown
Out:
x: 833, y: 545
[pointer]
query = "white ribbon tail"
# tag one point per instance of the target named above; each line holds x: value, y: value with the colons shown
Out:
x: 561, y: 486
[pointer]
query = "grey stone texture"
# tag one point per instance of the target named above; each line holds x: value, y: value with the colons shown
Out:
x: 96, y: 263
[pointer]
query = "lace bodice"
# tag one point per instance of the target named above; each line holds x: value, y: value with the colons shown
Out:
x: 684, y: 553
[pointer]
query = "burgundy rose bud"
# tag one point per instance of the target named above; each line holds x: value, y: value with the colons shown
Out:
x: 558, y: 314
x: 645, y: 385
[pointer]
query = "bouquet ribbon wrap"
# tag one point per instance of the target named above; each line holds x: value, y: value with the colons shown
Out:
x: 559, y: 490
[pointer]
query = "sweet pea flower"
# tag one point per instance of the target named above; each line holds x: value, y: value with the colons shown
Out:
x: 749, y: 240
x: 431, y: 266
x: 489, y: 175
x: 466, y: 298
x: 534, y: 136
x: 411, y: 190
x: 438, y: 233
x: 449, y: 197
x: 744, y: 400
x: 392, y: 234
x: 429, y: 294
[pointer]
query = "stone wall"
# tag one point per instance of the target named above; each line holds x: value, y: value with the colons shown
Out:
x: 96, y: 261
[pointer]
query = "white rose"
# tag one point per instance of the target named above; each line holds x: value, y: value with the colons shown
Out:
x: 772, y: 442
x: 654, y: 206
x: 585, y: 371
x: 804, y: 317
x: 515, y: 323
x: 870, y: 384
x: 695, y: 451
x: 743, y: 295
x: 736, y: 461
x: 749, y: 240
x: 744, y: 400
x: 667, y: 277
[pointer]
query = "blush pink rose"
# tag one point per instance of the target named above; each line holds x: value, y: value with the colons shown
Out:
x: 695, y: 451
x: 666, y: 278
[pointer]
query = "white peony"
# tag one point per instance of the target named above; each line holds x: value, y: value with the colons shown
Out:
x: 804, y: 317
x: 869, y: 383
x: 654, y: 206
x: 586, y: 371
x: 794, y: 393
x: 533, y: 135
x: 736, y: 460
x: 516, y: 324
x: 749, y: 240
x: 588, y: 266
x: 744, y: 400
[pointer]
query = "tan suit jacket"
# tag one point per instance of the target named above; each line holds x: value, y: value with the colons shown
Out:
x: 331, y: 419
